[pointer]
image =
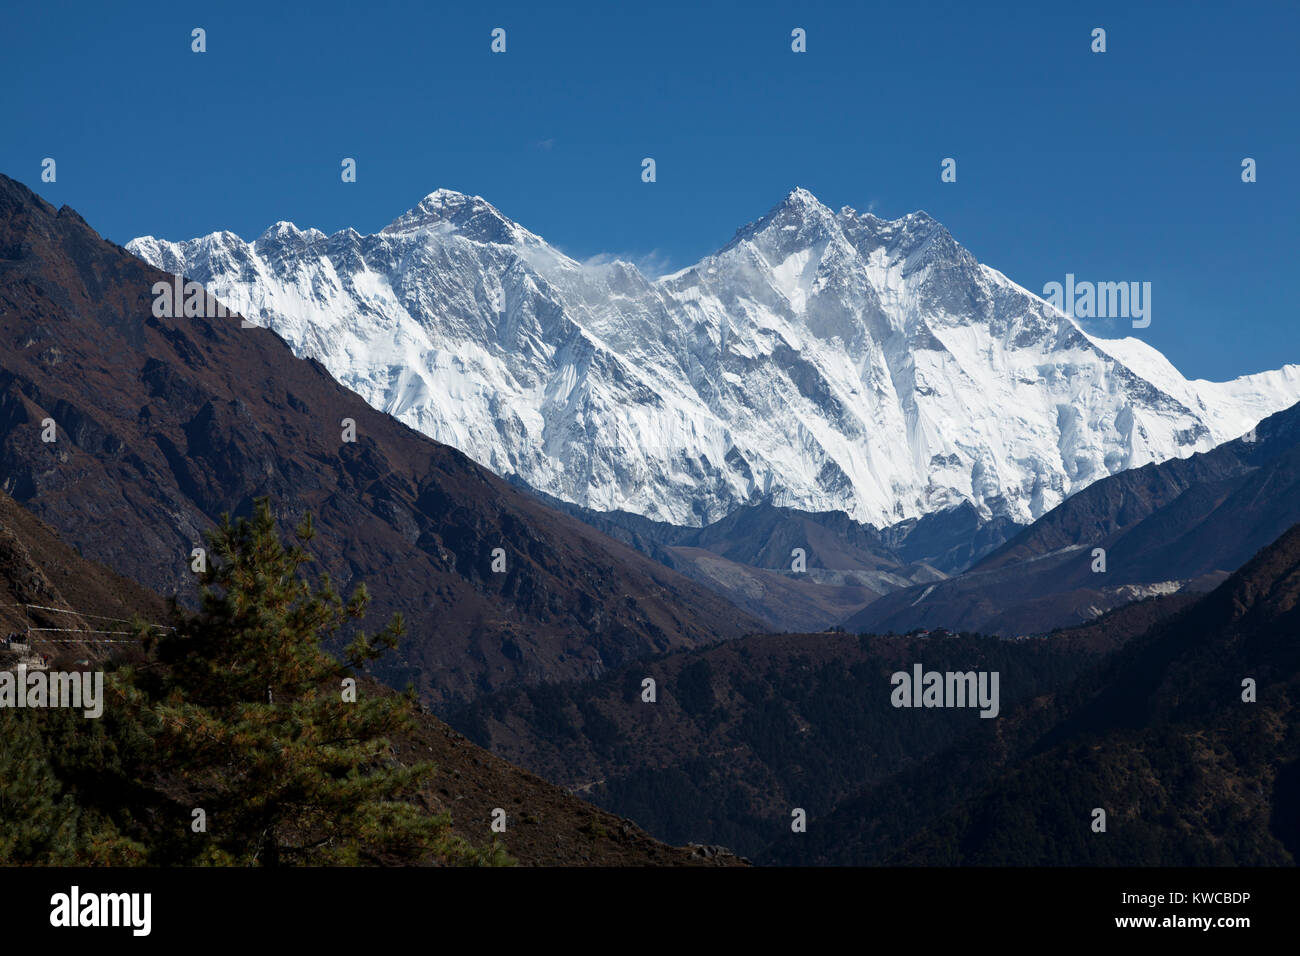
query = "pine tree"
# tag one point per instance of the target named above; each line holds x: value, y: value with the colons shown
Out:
x: 252, y: 715
x: 38, y: 823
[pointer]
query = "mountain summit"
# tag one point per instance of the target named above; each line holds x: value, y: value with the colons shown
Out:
x: 820, y: 360
x: 469, y: 216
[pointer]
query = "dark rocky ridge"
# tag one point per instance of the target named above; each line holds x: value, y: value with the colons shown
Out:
x: 746, y: 556
x: 36, y: 568
x: 1191, y: 521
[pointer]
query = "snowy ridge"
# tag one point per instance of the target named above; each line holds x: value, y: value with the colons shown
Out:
x: 819, y: 360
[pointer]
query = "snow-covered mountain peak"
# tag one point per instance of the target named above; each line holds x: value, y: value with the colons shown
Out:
x: 280, y: 229
x: 800, y: 198
x: 819, y: 360
x: 798, y: 219
x: 471, y: 217
x: 285, y: 235
x: 917, y: 237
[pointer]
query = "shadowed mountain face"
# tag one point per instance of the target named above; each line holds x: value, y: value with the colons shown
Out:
x: 1191, y: 766
x: 1140, y: 713
x: 40, y: 576
x: 1184, y: 523
x: 163, y: 424
x: 765, y: 536
x: 748, y: 556
x: 741, y: 733
x: 546, y: 824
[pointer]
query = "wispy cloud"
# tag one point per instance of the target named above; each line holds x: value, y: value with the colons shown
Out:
x: 650, y: 264
x: 1104, y: 328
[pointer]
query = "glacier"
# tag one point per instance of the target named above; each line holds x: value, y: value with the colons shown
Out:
x: 820, y: 360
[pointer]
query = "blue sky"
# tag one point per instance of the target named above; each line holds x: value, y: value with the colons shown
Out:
x: 1122, y: 166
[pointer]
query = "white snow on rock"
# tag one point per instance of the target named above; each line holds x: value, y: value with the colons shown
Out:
x: 823, y: 360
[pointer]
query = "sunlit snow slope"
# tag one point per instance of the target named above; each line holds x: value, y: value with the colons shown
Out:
x: 820, y: 360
